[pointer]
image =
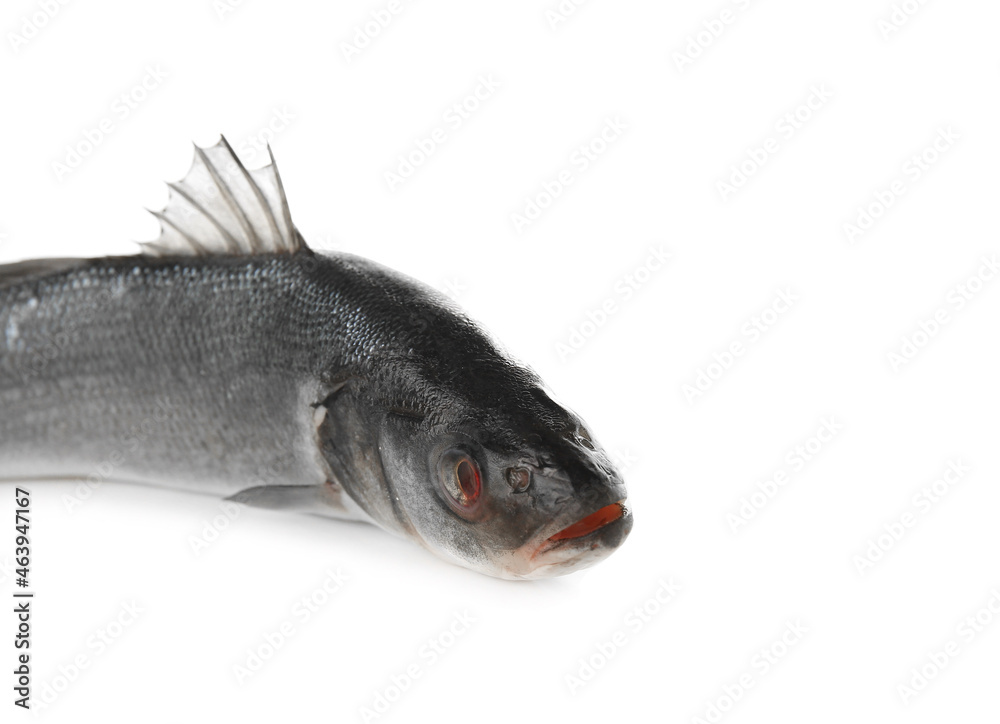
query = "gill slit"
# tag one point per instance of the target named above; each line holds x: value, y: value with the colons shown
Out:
x: 397, y: 510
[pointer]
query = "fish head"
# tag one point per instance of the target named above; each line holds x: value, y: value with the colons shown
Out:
x: 443, y: 437
x: 517, y: 491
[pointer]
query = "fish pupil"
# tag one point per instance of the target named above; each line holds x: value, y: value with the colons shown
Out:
x: 468, y: 479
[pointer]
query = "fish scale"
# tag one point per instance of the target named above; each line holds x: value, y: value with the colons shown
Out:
x: 98, y: 358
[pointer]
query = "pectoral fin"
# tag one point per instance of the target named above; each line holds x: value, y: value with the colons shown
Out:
x: 328, y: 500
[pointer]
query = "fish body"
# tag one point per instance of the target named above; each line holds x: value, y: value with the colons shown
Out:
x: 233, y: 360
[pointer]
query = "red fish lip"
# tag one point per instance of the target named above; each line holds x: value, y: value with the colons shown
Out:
x: 595, y: 521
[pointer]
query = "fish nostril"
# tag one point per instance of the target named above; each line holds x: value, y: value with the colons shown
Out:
x: 519, y: 479
x: 584, y: 439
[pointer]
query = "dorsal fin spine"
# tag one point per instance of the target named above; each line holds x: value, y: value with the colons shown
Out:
x: 260, y: 197
x: 284, y: 200
x: 256, y: 246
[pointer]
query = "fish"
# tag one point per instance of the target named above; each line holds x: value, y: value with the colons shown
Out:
x: 229, y: 358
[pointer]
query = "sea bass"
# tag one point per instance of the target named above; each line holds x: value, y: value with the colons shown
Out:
x: 231, y: 359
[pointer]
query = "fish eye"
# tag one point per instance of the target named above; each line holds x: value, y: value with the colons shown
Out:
x: 583, y: 437
x: 518, y: 479
x: 461, y: 478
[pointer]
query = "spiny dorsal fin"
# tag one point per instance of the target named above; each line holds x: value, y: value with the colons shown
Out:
x: 220, y: 207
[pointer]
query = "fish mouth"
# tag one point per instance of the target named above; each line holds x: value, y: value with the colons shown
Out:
x: 589, y: 531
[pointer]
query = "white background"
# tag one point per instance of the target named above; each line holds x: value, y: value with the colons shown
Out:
x: 689, y: 462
